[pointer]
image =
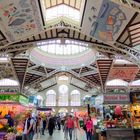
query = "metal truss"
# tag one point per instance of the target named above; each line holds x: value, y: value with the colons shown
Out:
x: 83, y: 79
x: 122, y: 50
x: 17, y: 47
x: 44, y: 77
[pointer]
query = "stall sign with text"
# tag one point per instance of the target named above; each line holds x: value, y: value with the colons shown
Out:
x: 117, y: 98
x: 23, y: 100
x: 8, y: 97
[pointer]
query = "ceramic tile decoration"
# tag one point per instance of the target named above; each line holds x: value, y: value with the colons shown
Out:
x: 19, y: 19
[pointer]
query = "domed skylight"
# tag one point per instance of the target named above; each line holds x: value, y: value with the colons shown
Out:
x: 58, y: 47
x: 63, y: 54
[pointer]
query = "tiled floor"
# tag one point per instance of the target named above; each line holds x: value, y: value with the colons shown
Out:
x: 59, y: 135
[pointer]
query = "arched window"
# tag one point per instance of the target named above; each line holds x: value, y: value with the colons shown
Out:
x: 117, y: 82
x: 75, y: 98
x: 51, y: 98
x: 63, y: 95
x: 63, y: 78
x: 8, y: 82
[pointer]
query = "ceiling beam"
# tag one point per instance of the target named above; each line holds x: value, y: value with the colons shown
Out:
x: 44, y: 78
x: 36, y: 72
x: 93, y: 68
x: 109, y: 73
x: 83, y: 78
x: 101, y: 81
x: 14, y: 73
x: 22, y: 86
x: 32, y: 67
x: 45, y: 71
x: 88, y: 73
x: 80, y: 71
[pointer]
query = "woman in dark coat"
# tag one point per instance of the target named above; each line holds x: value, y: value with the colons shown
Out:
x: 51, y: 126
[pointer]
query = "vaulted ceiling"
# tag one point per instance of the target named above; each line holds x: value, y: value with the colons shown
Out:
x: 22, y: 25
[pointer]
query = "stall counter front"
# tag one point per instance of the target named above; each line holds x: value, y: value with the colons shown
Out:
x: 120, y: 134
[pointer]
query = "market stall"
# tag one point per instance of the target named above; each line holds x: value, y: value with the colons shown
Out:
x: 117, y: 117
x: 12, y: 102
x: 11, y: 108
x: 135, y: 112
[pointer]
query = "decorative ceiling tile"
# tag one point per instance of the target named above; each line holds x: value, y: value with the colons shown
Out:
x: 19, y: 19
x: 124, y: 73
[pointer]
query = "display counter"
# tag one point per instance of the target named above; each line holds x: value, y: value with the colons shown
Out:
x: 137, y: 134
x: 120, y: 134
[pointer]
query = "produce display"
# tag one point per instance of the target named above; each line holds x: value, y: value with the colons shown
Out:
x: 117, y: 116
x: 135, y: 112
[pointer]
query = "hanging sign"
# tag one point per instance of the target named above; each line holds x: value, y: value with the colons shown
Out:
x: 6, y: 97
x: 116, y: 99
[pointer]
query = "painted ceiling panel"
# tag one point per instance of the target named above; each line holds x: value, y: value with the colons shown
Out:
x: 105, y: 20
x: 19, y: 19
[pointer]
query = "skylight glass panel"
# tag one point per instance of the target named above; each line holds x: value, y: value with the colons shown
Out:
x: 69, y: 48
x: 117, y: 82
x: 62, y: 11
x: 4, y: 59
x: 135, y: 83
x: 8, y: 82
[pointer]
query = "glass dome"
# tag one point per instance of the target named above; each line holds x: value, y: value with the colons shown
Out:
x: 63, y: 54
x: 68, y: 47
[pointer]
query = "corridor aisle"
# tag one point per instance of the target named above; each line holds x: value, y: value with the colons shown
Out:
x: 59, y: 135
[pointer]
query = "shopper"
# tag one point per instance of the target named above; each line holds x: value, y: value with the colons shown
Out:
x: 43, y: 125
x: 89, y: 128
x: 76, y: 127
x: 65, y: 128
x: 28, y: 128
x: 38, y: 128
x: 70, y: 126
x: 59, y: 122
x: 51, y: 125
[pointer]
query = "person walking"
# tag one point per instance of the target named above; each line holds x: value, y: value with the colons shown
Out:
x: 65, y: 128
x: 44, y: 125
x: 38, y: 128
x: 76, y: 128
x: 70, y: 126
x: 51, y: 125
x: 59, y: 122
x: 89, y: 128
x: 28, y: 131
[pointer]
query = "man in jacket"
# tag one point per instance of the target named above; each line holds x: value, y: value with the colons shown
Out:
x: 28, y: 128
